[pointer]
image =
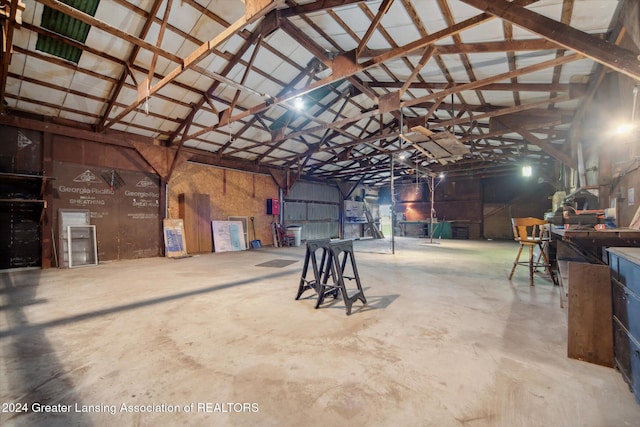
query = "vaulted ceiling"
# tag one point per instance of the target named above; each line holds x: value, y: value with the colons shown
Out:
x: 323, y: 89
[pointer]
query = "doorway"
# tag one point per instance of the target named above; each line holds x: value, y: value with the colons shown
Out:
x: 385, y: 220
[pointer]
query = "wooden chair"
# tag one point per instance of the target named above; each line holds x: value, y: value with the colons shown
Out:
x: 284, y: 238
x: 531, y: 233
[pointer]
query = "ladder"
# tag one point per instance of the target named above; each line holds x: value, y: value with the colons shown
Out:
x: 373, y: 228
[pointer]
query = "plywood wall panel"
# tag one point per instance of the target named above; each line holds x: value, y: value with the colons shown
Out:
x: 127, y: 216
x: 20, y: 151
x: 497, y: 221
x: 231, y: 193
x: 195, y: 211
x: 92, y: 153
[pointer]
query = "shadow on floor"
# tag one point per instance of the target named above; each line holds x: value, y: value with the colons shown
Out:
x: 34, y: 373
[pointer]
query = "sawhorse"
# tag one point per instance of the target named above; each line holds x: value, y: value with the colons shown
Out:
x: 334, y: 257
x: 315, y: 249
x: 341, y: 252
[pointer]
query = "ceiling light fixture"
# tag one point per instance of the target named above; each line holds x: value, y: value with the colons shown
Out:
x: 299, y: 103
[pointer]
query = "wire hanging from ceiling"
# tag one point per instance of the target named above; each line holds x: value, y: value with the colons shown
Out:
x: 417, y: 177
x: 453, y: 118
x: 146, y: 98
x: 401, y: 138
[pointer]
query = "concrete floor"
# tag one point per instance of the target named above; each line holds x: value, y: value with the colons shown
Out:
x: 445, y: 340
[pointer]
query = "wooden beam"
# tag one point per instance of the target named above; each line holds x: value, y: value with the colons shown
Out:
x: 503, y: 111
x: 608, y: 54
x: 531, y: 119
x: 472, y: 85
x: 158, y: 157
x: 428, y: 40
x: 163, y: 27
x: 480, y: 47
x: 578, y: 88
x: 134, y: 53
x: 191, y: 60
x: 480, y: 83
x: 8, y: 26
x: 594, y: 83
x: 316, y: 6
x: 426, y: 56
x: 382, y: 10
x: 548, y: 148
x: 187, y: 125
x: 115, y: 138
x: 279, y: 177
x: 401, y: 51
x: 200, y: 156
x: 226, y: 70
x: 125, y: 140
x: 255, y: 8
x: 110, y: 29
x: 389, y: 102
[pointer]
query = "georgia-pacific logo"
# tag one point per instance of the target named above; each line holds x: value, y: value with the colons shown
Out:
x: 145, y: 182
x: 87, y: 177
x: 23, y: 140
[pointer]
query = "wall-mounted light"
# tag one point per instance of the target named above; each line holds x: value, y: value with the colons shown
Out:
x: 625, y: 128
x: 441, y: 176
x: 527, y: 170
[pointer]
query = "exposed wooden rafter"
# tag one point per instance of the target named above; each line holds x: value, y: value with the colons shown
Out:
x: 614, y: 57
x: 512, y: 81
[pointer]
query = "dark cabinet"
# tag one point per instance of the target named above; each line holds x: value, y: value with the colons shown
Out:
x: 625, y: 279
x: 22, y: 208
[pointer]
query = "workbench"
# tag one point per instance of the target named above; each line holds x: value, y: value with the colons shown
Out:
x: 581, y: 260
x: 588, y: 243
x: 441, y: 229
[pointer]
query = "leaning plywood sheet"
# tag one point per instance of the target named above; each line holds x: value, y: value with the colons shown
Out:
x: 589, y: 324
x: 228, y: 236
x: 174, y: 246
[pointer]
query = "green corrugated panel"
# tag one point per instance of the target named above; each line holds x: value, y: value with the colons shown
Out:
x: 67, y: 26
